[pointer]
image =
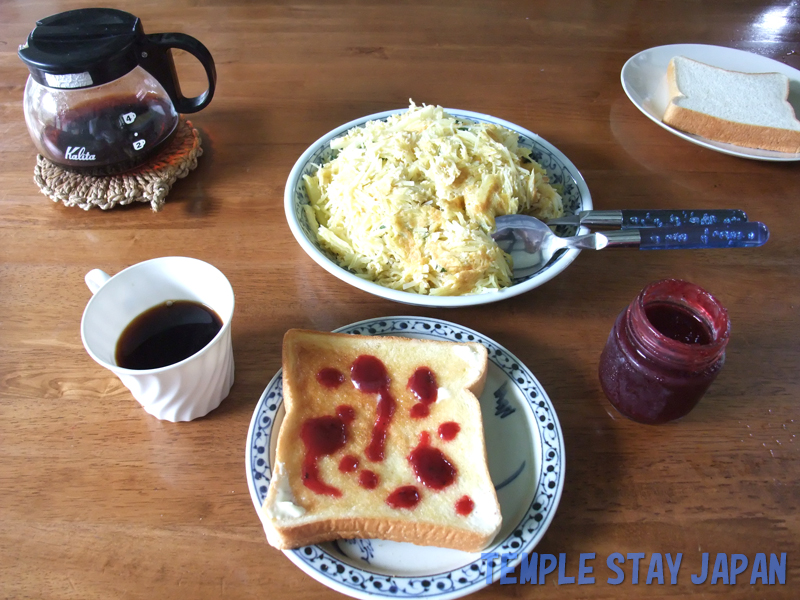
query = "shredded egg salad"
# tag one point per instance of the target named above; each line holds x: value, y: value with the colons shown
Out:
x: 409, y: 202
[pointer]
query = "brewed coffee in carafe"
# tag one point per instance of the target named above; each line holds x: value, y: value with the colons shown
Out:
x: 120, y: 129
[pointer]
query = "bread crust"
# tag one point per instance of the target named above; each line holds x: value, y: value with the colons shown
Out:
x: 730, y: 132
x: 723, y: 130
x: 395, y: 530
x: 311, y: 528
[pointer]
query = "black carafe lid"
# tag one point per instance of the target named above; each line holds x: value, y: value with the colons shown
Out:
x: 83, y: 48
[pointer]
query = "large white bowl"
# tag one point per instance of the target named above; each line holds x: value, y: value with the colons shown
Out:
x: 559, y: 168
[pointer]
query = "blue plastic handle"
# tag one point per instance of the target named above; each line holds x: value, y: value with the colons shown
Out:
x: 677, y: 218
x: 737, y: 235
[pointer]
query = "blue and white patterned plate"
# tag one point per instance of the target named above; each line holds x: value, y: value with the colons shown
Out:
x: 525, y: 447
x: 575, y: 197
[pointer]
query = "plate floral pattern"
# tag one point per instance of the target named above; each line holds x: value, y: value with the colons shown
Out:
x: 525, y: 447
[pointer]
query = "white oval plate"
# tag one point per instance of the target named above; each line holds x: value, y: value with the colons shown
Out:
x: 525, y: 447
x: 644, y: 79
x: 560, y: 170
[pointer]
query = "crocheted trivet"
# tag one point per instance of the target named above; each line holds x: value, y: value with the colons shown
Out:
x: 149, y: 182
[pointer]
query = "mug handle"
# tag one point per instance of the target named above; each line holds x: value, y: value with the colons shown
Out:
x: 95, y: 279
x: 155, y: 57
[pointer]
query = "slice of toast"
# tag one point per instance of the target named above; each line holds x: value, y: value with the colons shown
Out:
x: 745, y: 109
x: 382, y: 438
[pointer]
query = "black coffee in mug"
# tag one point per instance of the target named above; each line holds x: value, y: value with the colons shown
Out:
x: 166, y: 334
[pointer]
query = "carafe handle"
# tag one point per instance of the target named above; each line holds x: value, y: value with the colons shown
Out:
x: 155, y: 57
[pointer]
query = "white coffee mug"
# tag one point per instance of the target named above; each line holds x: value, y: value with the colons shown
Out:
x: 187, y: 389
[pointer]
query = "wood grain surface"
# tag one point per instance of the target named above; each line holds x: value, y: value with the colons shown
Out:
x: 99, y: 500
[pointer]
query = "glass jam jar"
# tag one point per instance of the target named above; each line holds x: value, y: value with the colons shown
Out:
x: 664, y: 351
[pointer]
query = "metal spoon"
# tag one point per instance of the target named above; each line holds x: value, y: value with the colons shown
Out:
x: 531, y: 242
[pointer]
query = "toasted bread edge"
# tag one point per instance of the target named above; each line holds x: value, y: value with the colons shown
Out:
x: 397, y: 530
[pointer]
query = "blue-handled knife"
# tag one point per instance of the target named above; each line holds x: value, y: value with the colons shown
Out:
x: 627, y: 219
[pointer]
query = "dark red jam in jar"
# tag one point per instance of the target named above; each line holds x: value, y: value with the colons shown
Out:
x: 664, y: 351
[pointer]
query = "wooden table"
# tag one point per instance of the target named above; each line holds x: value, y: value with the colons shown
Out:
x: 100, y: 500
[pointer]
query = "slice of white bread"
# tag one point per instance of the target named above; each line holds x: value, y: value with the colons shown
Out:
x: 320, y: 374
x: 745, y: 109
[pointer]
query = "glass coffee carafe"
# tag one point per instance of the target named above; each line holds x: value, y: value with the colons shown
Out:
x: 102, y: 96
